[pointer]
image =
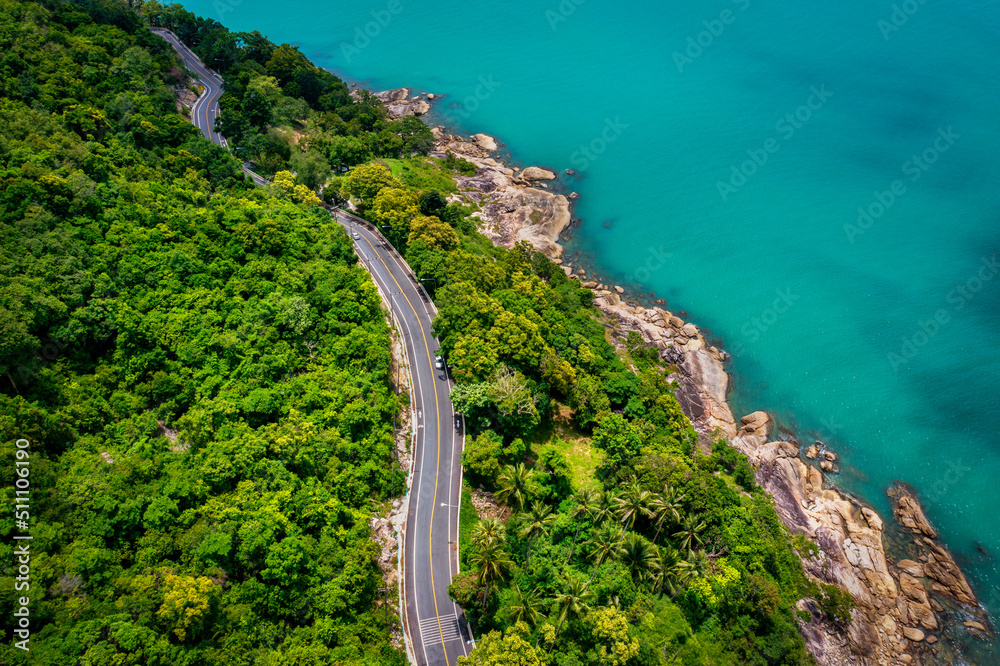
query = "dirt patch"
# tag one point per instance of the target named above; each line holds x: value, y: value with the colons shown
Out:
x: 487, y: 506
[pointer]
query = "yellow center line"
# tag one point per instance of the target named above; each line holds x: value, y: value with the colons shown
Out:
x: 437, y: 414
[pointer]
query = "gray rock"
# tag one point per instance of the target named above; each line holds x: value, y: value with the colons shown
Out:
x: 537, y: 173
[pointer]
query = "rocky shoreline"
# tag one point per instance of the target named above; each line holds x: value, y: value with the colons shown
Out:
x: 899, y: 605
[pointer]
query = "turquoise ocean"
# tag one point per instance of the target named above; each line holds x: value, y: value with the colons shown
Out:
x: 817, y: 185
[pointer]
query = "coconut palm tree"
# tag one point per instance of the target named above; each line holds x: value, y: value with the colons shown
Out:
x: 700, y: 564
x: 517, y: 485
x: 524, y: 607
x: 690, y: 533
x: 631, y: 504
x: 638, y: 554
x: 606, y: 506
x: 537, y: 525
x: 493, y: 563
x: 669, y: 571
x: 605, y: 545
x: 665, y: 507
x: 585, y: 507
x: 488, y: 531
x: 574, y: 600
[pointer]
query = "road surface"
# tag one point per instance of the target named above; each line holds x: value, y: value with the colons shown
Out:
x: 435, y: 625
x: 206, y: 107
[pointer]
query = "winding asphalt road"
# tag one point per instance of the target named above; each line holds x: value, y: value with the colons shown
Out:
x: 206, y: 107
x: 436, y: 627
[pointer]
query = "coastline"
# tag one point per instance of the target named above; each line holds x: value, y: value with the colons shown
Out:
x: 910, y: 610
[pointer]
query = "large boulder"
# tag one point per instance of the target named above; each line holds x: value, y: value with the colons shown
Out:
x: 537, y: 173
x: 485, y: 142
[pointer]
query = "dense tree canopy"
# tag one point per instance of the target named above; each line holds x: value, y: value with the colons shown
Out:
x: 199, y: 365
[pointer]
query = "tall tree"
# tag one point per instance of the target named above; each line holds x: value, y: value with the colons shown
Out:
x: 631, y: 504
x: 585, y: 507
x: 664, y: 507
x: 524, y: 607
x: 574, y: 600
x: 537, y: 525
x: 690, y: 533
x: 605, y: 545
x: 492, y: 563
x: 517, y: 485
x: 638, y: 554
x: 487, y: 532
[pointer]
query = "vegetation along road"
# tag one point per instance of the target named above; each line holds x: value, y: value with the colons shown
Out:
x: 436, y: 625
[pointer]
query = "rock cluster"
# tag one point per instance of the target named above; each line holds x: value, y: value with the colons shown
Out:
x: 511, y: 210
x: 895, y: 609
x: 703, y: 383
x: 937, y: 566
x: 400, y: 104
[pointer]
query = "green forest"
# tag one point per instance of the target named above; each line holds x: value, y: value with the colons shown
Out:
x: 199, y: 365
x: 203, y: 373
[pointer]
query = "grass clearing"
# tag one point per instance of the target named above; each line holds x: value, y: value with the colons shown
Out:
x: 422, y: 173
x: 583, y: 458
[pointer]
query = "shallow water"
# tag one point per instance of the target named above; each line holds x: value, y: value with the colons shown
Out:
x: 877, y: 335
